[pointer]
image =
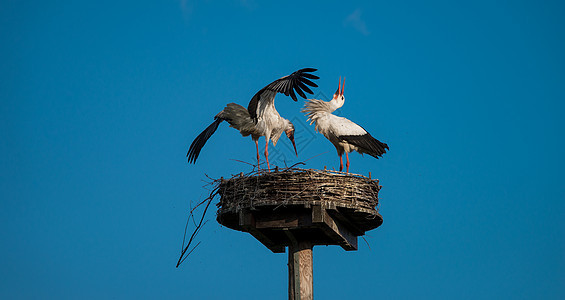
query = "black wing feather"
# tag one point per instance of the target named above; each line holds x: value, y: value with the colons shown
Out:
x: 309, y: 70
x: 311, y: 76
x: 308, y: 82
x: 304, y: 87
x: 287, y: 85
x: 201, y: 139
x: 299, y: 91
x: 292, y: 95
x: 367, y: 143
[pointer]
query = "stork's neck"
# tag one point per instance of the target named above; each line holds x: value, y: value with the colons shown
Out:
x: 336, y: 103
x: 278, y: 129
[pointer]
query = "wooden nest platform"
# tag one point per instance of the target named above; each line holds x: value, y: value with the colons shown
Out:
x: 282, y: 208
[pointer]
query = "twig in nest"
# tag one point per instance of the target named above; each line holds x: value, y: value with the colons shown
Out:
x: 184, y: 253
x: 316, y: 156
x: 244, y: 162
x: 366, y: 242
x: 296, y: 164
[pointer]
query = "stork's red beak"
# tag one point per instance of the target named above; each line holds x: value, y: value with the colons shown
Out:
x: 340, y: 87
x: 337, y: 93
x: 293, y: 144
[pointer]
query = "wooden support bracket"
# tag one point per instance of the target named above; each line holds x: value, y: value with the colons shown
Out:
x: 346, y: 239
x: 247, y: 222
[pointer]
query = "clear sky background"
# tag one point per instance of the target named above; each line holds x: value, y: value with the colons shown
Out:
x: 101, y: 99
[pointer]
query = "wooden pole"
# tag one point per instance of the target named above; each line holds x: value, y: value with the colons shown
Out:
x: 300, y: 267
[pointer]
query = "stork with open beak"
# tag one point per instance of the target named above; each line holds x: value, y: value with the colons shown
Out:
x: 239, y: 118
x: 262, y: 109
x: 345, y: 135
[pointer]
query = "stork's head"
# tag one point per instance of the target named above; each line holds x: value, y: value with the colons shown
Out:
x: 339, y: 98
x: 289, y: 130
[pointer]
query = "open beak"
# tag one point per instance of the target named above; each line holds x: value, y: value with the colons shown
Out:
x: 340, y: 87
x: 338, y: 92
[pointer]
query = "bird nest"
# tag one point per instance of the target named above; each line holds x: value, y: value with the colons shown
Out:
x: 280, y: 207
x: 354, y: 197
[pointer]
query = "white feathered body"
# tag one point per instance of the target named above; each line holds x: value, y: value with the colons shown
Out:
x: 344, y: 134
x: 269, y: 122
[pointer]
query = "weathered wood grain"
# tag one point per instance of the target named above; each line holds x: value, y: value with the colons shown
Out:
x: 300, y: 271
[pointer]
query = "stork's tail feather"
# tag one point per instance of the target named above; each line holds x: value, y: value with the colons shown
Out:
x: 367, y: 144
x: 201, y: 139
x: 238, y: 117
x: 381, y: 148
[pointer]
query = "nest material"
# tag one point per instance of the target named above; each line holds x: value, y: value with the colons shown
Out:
x: 304, y: 187
x: 308, y: 205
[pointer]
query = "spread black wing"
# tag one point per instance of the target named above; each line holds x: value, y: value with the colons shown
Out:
x: 296, y: 82
x: 201, y: 139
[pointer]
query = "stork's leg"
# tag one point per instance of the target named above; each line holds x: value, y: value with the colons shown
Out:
x: 257, y: 146
x: 347, y: 164
x: 340, y: 162
x: 267, y: 155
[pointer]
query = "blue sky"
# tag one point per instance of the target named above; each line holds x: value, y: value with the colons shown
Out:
x: 100, y: 101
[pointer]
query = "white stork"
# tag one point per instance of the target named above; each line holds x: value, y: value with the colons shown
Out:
x: 345, y: 135
x: 239, y: 118
x: 262, y: 109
